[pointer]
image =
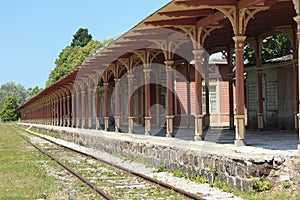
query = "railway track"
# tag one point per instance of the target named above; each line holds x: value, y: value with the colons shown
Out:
x: 117, y: 177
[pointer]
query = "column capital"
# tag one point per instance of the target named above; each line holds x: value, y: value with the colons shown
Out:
x: 147, y: 72
x: 198, y: 52
x: 82, y: 91
x: 297, y: 19
x: 117, y: 80
x: 239, y: 38
x: 169, y: 63
x: 105, y: 84
x: 130, y: 76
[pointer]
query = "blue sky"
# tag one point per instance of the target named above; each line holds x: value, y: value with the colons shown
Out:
x: 33, y: 32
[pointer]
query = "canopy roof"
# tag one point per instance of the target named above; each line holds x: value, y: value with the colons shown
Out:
x: 265, y: 17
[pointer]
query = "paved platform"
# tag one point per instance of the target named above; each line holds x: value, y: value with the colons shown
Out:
x: 270, y: 139
x: 259, y: 143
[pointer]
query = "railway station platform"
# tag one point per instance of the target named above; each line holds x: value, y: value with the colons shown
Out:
x: 269, y: 154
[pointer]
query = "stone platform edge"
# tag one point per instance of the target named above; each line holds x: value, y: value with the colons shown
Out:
x: 236, y: 166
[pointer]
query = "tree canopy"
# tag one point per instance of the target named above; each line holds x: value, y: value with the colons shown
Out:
x: 272, y: 47
x: 9, y: 109
x: 81, y: 48
x: 81, y: 38
x: 12, y: 89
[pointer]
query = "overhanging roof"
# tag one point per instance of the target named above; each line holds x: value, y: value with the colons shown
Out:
x: 162, y: 23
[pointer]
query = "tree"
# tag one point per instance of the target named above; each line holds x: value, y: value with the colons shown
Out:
x: 12, y: 89
x: 75, y: 54
x: 81, y: 38
x: 31, y: 92
x: 272, y: 47
x: 9, y: 109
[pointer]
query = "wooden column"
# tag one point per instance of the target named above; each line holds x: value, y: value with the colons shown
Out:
x: 78, y: 109
x: 147, y: 72
x: 259, y: 71
x: 60, y: 111
x: 73, y: 115
x: 130, y: 103
x: 297, y: 19
x: 240, y: 93
x: 97, y: 99
x: 207, y: 102
x: 198, y: 57
x: 106, y: 114
x: 65, y: 111
x: 230, y: 89
x: 117, y: 105
x: 83, y: 108
x: 68, y: 111
x: 90, y: 107
x: 170, y: 106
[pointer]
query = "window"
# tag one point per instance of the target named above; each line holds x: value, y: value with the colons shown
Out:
x: 213, y: 103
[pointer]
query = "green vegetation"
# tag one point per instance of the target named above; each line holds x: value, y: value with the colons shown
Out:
x: 81, y: 48
x: 161, y: 167
x: 9, y: 109
x: 21, y: 177
x: 272, y: 47
x: 178, y: 173
x: 286, y: 185
x: 14, y: 94
x: 262, y: 184
x: 222, y: 186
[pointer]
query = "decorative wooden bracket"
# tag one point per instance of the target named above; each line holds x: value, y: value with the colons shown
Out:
x: 297, y: 6
x: 168, y: 47
x: 198, y: 34
x: 240, y: 18
x: 146, y: 56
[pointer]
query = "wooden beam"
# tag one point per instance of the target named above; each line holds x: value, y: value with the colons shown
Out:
x: 207, y: 3
x: 249, y: 3
x: 186, y: 13
x: 211, y: 19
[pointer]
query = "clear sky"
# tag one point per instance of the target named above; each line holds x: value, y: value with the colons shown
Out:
x: 33, y: 32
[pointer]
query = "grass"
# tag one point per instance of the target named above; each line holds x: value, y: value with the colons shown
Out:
x: 20, y: 175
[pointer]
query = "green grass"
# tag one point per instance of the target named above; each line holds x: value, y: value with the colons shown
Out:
x: 20, y: 174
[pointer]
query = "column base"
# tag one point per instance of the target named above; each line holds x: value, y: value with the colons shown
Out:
x: 106, y: 123
x: 82, y: 123
x: 260, y: 121
x: 299, y: 148
x: 239, y: 143
x: 207, y: 121
x: 130, y: 124
x: 198, y: 138
x: 77, y: 123
x: 147, y: 125
x: 90, y: 123
x: 198, y: 126
x: 240, y: 127
x: 170, y: 128
x: 98, y: 123
x: 117, y: 124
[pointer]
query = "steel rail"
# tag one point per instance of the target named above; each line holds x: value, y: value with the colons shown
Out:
x: 147, y: 178
x: 69, y: 169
